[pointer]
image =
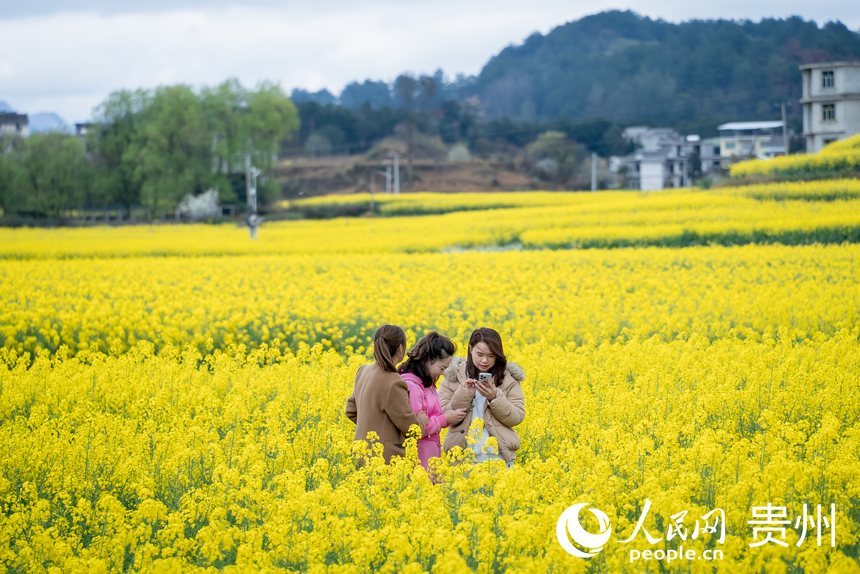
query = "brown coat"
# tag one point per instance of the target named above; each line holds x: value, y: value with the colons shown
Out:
x: 503, y: 413
x: 380, y: 403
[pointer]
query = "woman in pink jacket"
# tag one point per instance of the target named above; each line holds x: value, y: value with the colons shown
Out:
x: 425, y: 363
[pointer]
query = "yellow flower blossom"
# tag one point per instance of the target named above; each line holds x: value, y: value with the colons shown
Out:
x: 172, y: 398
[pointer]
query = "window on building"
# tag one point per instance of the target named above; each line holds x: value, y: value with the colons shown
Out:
x: 730, y: 145
x: 828, y: 112
x: 827, y: 79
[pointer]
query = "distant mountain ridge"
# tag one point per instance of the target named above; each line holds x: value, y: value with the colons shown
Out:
x: 632, y: 69
x: 41, y: 122
x: 47, y: 122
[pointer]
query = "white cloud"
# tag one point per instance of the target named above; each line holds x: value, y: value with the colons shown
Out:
x: 69, y: 61
x: 81, y: 57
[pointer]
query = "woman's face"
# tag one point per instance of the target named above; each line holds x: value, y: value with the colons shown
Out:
x: 437, y: 367
x: 482, y: 357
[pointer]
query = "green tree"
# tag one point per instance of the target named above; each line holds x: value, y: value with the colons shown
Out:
x: 318, y: 144
x: 634, y: 70
x: 223, y: 108
x: 375, y: 94
x: 172, y: 152
x: 116, y: 132
x: 53, y: 174
x: 271, y: 119
x: 152, y: 148
x: 406, y: 92
x: 458, y: 121
x: 10, y: 151
x: 553, y: 157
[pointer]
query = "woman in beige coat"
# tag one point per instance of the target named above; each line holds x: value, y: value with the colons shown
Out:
x: 488, y: 387
x: 380, y: 398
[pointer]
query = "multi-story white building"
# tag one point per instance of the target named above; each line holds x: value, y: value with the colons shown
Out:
x: 831, y: 102
x: 663, y: 159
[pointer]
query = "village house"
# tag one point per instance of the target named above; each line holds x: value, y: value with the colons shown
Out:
x: 745, y: 140
x: 831, y: 102
x: 664, y: 159
x: 14, y: 124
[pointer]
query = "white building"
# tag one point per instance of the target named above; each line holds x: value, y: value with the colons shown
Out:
x: 831, y: 102
x: 711, y: 155
x: 742, y: 140
x: 664, y: 158
x: 14, y: 124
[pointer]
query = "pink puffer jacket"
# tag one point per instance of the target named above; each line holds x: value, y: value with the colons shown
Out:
x: 427, y: 400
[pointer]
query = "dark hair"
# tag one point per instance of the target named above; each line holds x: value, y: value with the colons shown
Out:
x: 385, y: 342
x: 494, y: 341
x: 429, y: 348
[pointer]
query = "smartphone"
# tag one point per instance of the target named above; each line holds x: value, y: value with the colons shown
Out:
x: 484, y: 377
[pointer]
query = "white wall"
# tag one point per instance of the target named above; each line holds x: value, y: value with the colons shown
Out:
x: 850, y: 120
x: 848, y: 80
x: 651, y: 175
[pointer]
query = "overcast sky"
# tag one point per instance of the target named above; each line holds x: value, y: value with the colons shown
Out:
x: 66, y: 56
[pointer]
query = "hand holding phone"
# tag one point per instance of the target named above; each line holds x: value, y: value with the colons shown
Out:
x: 486, y: 386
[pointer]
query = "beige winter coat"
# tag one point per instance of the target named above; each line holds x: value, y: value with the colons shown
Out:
x: 380, y: 403
x: 503, y: 413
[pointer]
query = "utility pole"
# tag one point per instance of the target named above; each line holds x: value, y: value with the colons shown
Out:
x: 396, y: 173
x: 593, y: 171
x: 387, y: 179
x: 251, y: 174
x: 784, y: 129
x: 372, y: 191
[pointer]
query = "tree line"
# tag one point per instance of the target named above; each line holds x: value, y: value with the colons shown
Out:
x: 691, y: 76
x: 429, y: 105
x: 148, y: 149
x: 423, y: 114
x: 632, y: 70
x: 545, y: 104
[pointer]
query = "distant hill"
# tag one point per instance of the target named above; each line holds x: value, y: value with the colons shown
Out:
x: 48, y: 122
x: 632, y: 69
x: 42, y: 122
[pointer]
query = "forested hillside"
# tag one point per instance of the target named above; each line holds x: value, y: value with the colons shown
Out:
x: 632, y: 69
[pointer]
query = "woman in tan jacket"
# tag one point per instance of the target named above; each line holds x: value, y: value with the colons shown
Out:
x: 488, y: 387
x: 380, y: 398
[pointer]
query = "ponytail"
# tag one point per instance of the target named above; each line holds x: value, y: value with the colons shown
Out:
x: 385, y: 343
